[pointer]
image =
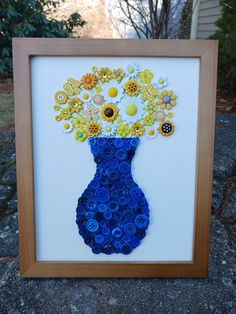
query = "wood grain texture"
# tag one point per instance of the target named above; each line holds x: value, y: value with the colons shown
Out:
x: 23, y: 50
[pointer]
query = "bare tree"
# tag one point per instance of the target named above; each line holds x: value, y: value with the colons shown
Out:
x: 148, y: 18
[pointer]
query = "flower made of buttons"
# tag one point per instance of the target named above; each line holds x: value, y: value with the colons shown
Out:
x: 86, y: 96
x: 166, y: 128
x: 148, y: 119
x: 131, y: 109
x: 93, y: 128
x: 162, y: 82
x: 112, y: 91
x: 151, y: 131
x: 148, y: 92
x: 80, y: 135
x: 145, y: 76
x: 90, y: 113
x: 118, y: 74
x: 123, y: 130
x: 131, y: 87
x: 104, y: 75
x: 109, y: 112
x: 166, y: 99
x: 88, y: 81
x: 72, y: 87
x: 65, y: 113
x: 109, y: 129
x: 137, y: 129
x: 75, y: 104
x: 78, y: 121
x: 132, y: 70
x: 151, y: 106
x: 67, y: 127
x: 60, y: 97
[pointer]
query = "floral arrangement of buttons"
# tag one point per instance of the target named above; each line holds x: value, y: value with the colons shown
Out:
x: 116, y: 103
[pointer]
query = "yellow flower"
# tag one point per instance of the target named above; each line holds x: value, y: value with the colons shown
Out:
x: 94, y: 69
x: 93, y: 128
x: 72, y: 87
x: 104, y: 75
x: 145, y: 76
x: 109, y: 112
x: 78, y: 121
x: 56, y: 107
x: 89, y: 81
x: 131, y: 87
x: 148, y: 119
x: 118, y: 74
x: 151, y: 107
x: 65, y: 113
x: 137, y: 129
x: 60, y: 97
x: 166, y: 99
x: 170, y: 115
x: 58, y: 117
x: 148, y: 92
x: 98, y: 89
x: 123, y: 130
x: 75, y: 104
x: 166, y: 128
x: 80, y: 135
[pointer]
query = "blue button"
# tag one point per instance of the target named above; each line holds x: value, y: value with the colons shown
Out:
x: 92, y: 225
x: 127, y: 146
x: 92, y: 141
x: 124, y: 167
x: 113, y: 206
x: 117, y: 216
x: 126, y: 249
x: 94, y: 184
x: 132, y: 203
x: 101, y: 141
x: 117, y: 244
x: 129, y: 215
x: 118, y: 142
x: 102, y: 195
x: 102, y: 207
x: 102, y: 223
x: 105, y: 230
x: 140, y: 234
x: 107, y: 215
x: 123, y: 177
x: 107, y: 152
x: 126, y: 238
x: 88, y: 193
x: 89, y: 215
x: 129, y: 183
x: 91, y: 204
x: 142, y: 221
x: 95, y: 150
x: 117, y: 232
x: 135, y: 192
x: 135, y: 242
x: 104, y: 163
x: 130, y: 229
x: 134, y: 142
x: 115, y: 194
x: 113, y: 175
x: 113, y: 164
x: 108, y: 238
x: 107, y: 249
x: 122, y: 200
x: 121, y: 154
x: 96, y: 249
x: 121, y: 224
x: 109, y: 141
x: 99, y: 238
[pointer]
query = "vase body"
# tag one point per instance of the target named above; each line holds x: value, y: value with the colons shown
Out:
x: 112, y: 214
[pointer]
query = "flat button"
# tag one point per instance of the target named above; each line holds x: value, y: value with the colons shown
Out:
x: 117, y: 244
x: 126, y: 249
x: 107, y: 152
x: 96, y: 249
x: 91, y: 204
x: 92, y: 225
x: 102, y: 207
x: 124, y: 167
x: 101, y: 141
x: 134, y: 142
x: 113, y: 206
x: 135, y: 192
x: 107, y: 215
x: 113, y: 164
x: 129, y: 215
x: 99, y: 238
x: 121, y: 154
x: 88, y: 193
x: 102, y: 223
x: 113, y: 175
x: 129, y: 183
x: 130, y: 229
x: 89, y: 215
x: 132, y: 203
x: 117, y: 216
x: 94, y: 184
x: 126, y: 238
x: 92, y: 141
x: 122, y: 200
x: 117, y: 232
x: 134, y: 242
x: 118, y: 142
x: 95, y: 150
x: 142, y: 221
x: 102, y: 195
x: 105, y: 230
x: 107, y: 249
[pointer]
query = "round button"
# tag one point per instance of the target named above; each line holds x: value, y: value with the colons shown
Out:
x: 96, y: 249
x: 102, y: 223
x: 113, y: 175
x: 132, y: 203
x: 92, y: 225
x: 124, y: 167
x: 135, y: 192
x: 121, y: 154
x: 126, y: 249
x: 135, y: 242
x: 142, y: 221
x: 129, y: 215
x: 118, y: 142
x: 129, y: 183
x: 89, y: 215
x: 140, y: 234
x: 108, y: 238
x: 134, y: 142
x: 117, y: 244
x: 92, y: 141
x: 102, y: 195
x: 115, y: 194
x: 113, y: 206
x: 95, y: 150
x: 127, y: 146
x: 113, y: 164
x: 107, y: 152
x: 107, y: 249
x: 88, y: 193
x: 107, y: 215
x: 101, y: 141
x: 117, y: 216
x: 102, y: 207
x: 126, y: 238
x: 94, y: 184
x: 117, y: 233
x: 105, y: 230
x: 99, y: 238
x: 130, y: 229
x: 122, y: 200
x: 91, y: 204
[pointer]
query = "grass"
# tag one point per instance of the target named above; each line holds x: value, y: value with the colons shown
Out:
x: 6, y: 111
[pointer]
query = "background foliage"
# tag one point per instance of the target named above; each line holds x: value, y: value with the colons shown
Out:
x: 28, y: 18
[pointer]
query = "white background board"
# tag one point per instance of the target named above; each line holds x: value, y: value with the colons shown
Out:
x: 164, y: 168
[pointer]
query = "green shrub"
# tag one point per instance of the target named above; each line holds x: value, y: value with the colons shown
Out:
x: 226, y: 34
x: 28, y: 18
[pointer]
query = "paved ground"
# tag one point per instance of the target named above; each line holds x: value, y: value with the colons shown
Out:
x: 213, y: 295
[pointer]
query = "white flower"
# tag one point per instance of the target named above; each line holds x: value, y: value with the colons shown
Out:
x: 112, y: 91
x: 109, y: 129
x: 162, y: 82
x: 151, y: 131
x: 86, y: 96
x: 67, y: 127
x: 132, y: 70
x: 131, y: 109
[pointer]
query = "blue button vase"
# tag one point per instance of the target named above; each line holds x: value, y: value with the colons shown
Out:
x: 112, y: 213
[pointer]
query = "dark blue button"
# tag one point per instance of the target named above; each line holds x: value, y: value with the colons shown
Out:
x: 95, y: 150
x: 123, y: 177
x: 117, y: 244
x: 88, y: 193
x: 92, y: 141
x: 99, y: 238
x: 108, y: 238
x: 107, y: 249
x: 94, y: 184
x: 113, y: 164
x: 92, y: 225
x: 102, y: 195
x: 113, y: 175
x: 140, y: 233
x: 129, y: 215
x: 89, y: 215
x: 134, y: 242
x: 121, y: 154
x: 126, y: 238
x: 142, y: 221
x: 103, y: 223
x: 132, y: 203
x: 117, y: 232
x: 107, y: 215
x: 124, y: 167
x: 117, y: 216
x: 113, y: 206
x: 130, y: 229
x: 104, y: 163
x: 129, y: 183
x: 91, y: 204
x: 126, y: 249
x: 122, y: 200
x: 115, y: 194
x: 118, y: 142
x: 96, y: 249
x: 121, y: 224
x: 134, y: 142
x: 102, y: 207
x: 107, y: 152
x: 105, y: 230
x: 127, y: 146
x: 120, y: 186
x: 101, y: 141
x: 109, y: 141
x: 135, y: 192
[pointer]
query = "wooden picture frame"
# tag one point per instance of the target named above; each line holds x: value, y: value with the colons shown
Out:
x: 23, y: 51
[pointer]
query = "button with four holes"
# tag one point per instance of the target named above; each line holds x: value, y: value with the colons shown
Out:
x: 92, y: 225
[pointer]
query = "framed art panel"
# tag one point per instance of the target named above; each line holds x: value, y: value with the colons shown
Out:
x: 114, y: 156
